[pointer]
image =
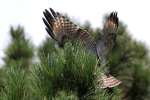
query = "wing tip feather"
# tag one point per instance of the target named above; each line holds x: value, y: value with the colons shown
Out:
x: 50, y: 33
x: 113, y: 17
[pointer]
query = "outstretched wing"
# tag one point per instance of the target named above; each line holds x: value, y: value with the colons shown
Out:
x: 107, y: 41
x: 60, y: 29
x: 111, y: 23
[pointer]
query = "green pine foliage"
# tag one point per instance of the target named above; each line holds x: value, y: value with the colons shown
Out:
x: 72, y: 69
x: 19, y: 51
x: 47, y: 48
x: 18, y: 58
x: 15, y: 86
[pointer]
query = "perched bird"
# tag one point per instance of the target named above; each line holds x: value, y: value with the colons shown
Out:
x: 61, y: 29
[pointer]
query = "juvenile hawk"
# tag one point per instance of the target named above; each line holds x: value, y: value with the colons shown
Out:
x: 60, y: 28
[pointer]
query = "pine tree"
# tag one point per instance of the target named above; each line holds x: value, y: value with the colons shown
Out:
x: 20, y: 51
x: 70, y: 72
x: 14, y: 83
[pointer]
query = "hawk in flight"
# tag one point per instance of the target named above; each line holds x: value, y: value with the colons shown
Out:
x: 61, y: 29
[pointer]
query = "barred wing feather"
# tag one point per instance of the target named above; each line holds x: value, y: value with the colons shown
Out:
x: 61, y: 28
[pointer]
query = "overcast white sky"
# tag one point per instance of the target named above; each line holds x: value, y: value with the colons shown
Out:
x: 28, y: 13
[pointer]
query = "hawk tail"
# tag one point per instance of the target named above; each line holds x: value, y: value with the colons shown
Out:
x: 108, y: 81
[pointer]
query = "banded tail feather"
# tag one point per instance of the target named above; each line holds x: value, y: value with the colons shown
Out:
x: 108, y: 81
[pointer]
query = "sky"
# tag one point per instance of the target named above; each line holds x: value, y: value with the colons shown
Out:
x: 28, y: 13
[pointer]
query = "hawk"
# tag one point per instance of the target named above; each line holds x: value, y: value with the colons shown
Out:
x: 60, y: 28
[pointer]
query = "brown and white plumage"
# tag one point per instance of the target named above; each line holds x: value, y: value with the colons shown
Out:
x: 61, y: 29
